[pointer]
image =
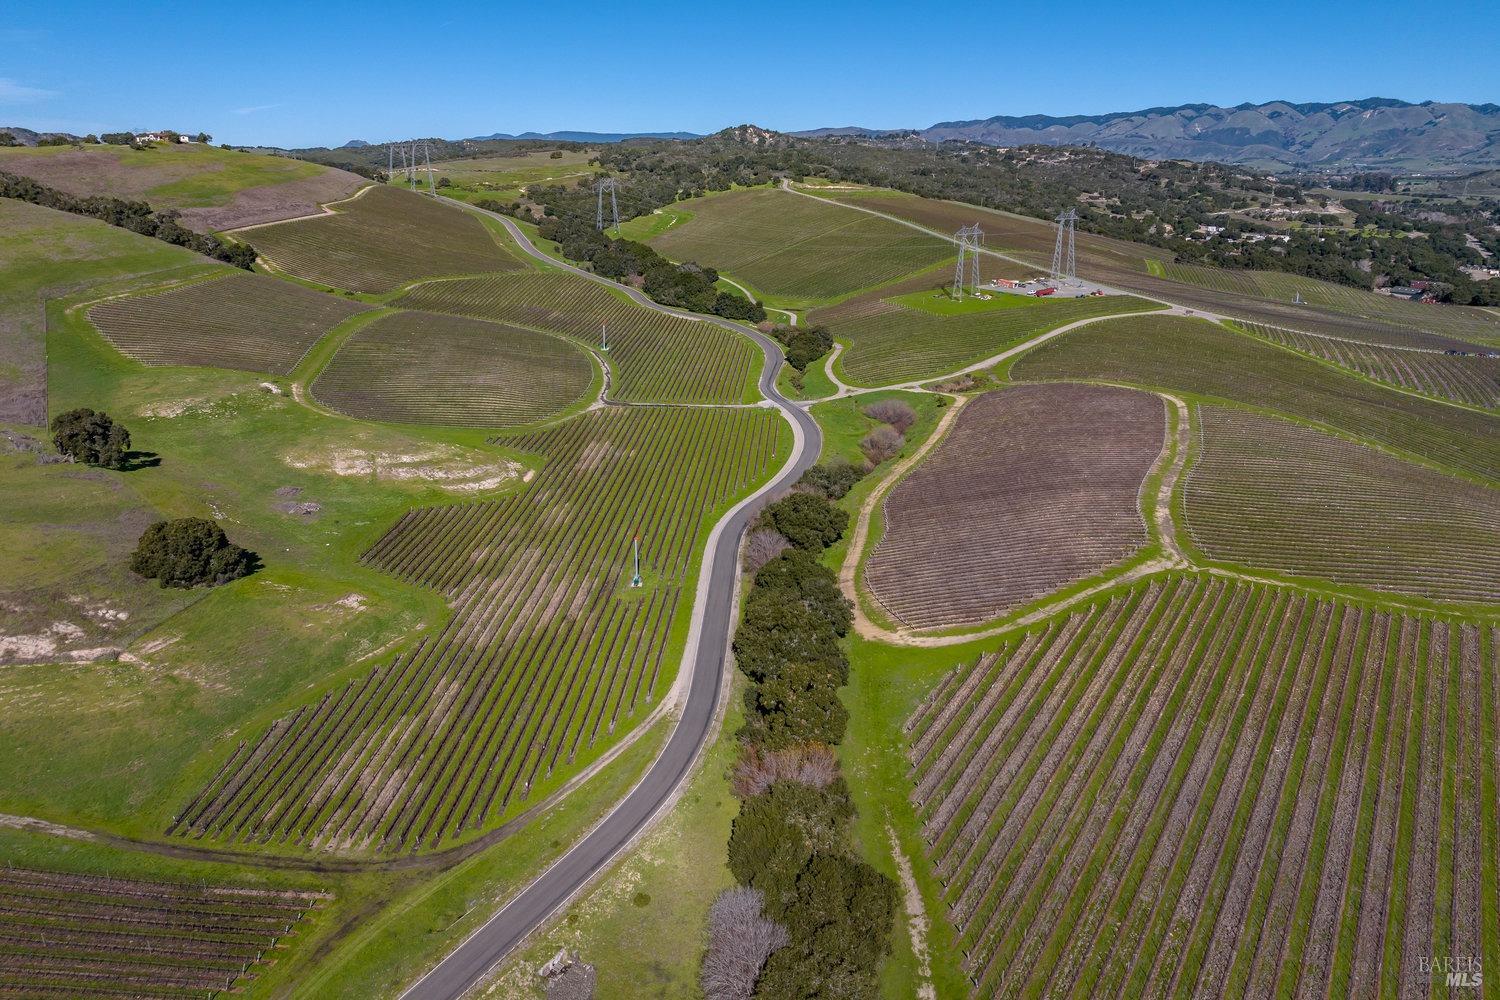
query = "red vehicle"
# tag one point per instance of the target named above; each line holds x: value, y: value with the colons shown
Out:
x: 1044, y: 291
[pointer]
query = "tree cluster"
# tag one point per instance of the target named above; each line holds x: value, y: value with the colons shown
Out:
x: 190, y: 551
x: 814, y: 921
x: 803, y: 345
x: 91, y: 437
x: 136, y: 216
x: 686, y: 286
x: 831, y: 480
x: 806, y: 520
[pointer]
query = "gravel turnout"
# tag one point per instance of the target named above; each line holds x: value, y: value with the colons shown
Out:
x: 654, y: 356
x: 1200, y: 788
x: 244, y: 321
x: 1274, y: 495
x: 549, y: 653
x: 94, y: 935
x: 1195, y: 357
x: 1036, y: 487
x: 379, y: 240
x: 429, y: 368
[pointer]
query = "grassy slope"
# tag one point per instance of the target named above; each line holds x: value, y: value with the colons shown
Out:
x: 97, y: 752
x: 44, y: 252
x: 791, y: 251
x: 168, y: 176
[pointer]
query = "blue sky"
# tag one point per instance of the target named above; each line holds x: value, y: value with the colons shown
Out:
x: 312, y: 74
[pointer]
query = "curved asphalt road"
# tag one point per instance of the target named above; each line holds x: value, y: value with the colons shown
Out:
x: 704, y: 661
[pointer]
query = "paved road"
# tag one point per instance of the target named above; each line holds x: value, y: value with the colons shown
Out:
x: 703, y: 673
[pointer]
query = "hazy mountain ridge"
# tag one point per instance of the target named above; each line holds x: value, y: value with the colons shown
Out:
x: 1373, y: 132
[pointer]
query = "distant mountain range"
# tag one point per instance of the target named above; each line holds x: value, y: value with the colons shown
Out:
x: 560, y: 137
x: 1376, y: 132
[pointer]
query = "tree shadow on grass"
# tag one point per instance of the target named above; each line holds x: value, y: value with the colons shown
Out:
x: 140, y: 460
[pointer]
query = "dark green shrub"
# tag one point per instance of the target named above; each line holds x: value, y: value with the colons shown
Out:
x: 91, y: 437
x: 190, y: 551
x: 807, y: 521
x: 832, y: 480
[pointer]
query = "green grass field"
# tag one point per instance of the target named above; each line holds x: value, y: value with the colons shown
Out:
x: 381, y: 240
x: 505, y: 178
x: 432, y: 368
x: 890, y: 341
x: 1202, y: 359
x: 653, y: 357
x: 243, y: 321
x: 794, y: 250
x: 122, y: 744
x: 45, y: 252
x: 1273, y: 495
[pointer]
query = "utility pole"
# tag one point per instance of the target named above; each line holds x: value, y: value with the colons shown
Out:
x: 635, y: 580
x: 968, y: 239
x: 604, y: 338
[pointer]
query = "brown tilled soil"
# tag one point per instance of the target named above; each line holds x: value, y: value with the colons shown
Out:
x: 1036, y: 487
x: 275, y: 202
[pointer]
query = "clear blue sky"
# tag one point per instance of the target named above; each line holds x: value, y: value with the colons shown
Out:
x: 322, y: 73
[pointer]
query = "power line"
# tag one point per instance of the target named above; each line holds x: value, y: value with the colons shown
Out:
x: 968, y: 239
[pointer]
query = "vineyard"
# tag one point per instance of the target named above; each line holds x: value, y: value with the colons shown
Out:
x: 380, y: 240
x: 887, y: 342
x: 1422, y: 323
x: 796, y: 247
x: 1197, y: 357
x: 548, y: 654
x: 655, y: 357
x: 1034, y: 488
x: 430, y: 368
x: 91, y: 935
x: 1275, y: 495
x: 1257, y: 297
x: 1202, y: 788
x: 1470, y: 379
x: 237, y: 320
x: 1021, y: 236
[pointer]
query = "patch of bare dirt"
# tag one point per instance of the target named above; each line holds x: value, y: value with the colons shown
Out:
x: 448, y: 467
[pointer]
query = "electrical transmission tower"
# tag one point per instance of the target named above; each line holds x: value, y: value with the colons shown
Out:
x: 968, y: 239
x: 411, y: 159
x: 606, y: 184
x: 1065, y: 253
